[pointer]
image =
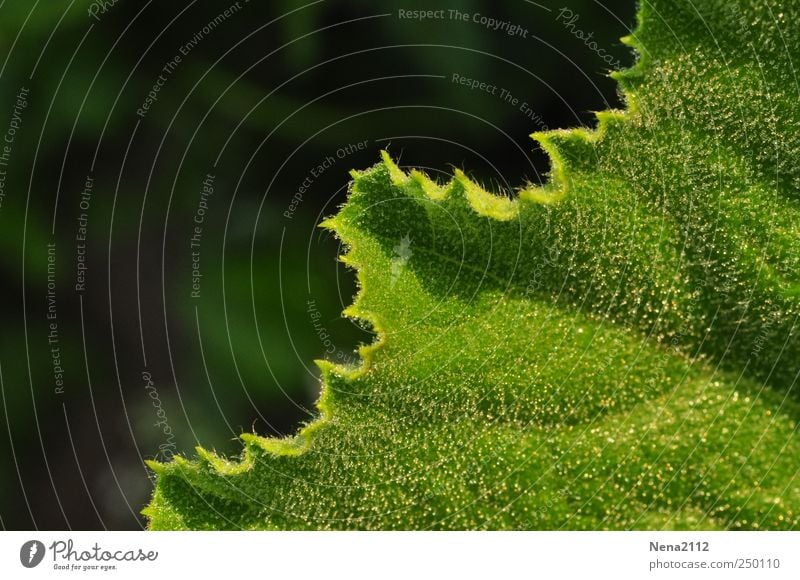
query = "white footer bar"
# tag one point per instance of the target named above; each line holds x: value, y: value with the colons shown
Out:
x: 401, y: 555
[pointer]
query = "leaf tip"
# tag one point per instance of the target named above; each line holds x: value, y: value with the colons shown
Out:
x: 156, y: 466
x: 485, y: 203
x: 396, y: 174
x: 428, y: 186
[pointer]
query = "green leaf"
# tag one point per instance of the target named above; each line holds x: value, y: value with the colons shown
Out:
x: 617, y: 349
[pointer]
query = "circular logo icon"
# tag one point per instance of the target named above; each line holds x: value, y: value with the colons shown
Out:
x: 31, y: 553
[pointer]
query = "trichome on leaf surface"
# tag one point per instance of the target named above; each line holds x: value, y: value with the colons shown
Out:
x: 615, y: 350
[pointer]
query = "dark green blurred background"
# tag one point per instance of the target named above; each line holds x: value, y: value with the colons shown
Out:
x: 262, y: 96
